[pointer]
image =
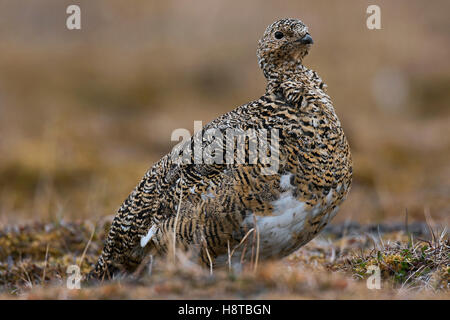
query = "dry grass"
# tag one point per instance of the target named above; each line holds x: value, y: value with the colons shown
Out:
x: 34, y: 260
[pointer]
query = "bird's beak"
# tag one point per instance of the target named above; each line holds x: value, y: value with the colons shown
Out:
x: 306, y: 39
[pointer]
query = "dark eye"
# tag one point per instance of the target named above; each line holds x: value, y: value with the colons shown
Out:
x: 279, y: 35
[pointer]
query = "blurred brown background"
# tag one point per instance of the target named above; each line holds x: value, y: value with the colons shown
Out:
x: 83, y: 114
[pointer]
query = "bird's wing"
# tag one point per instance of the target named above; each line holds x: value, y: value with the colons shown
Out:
x: 200, y: 188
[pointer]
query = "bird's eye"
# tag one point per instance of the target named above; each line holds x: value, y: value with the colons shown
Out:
x: 279, y: 35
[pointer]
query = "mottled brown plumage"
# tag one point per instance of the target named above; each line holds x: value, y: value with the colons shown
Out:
x: 211, y: 207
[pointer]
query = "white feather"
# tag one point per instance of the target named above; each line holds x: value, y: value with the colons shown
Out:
x: 285, y: 181
x: 148, y: 236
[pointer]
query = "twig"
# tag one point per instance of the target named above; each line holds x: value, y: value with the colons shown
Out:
x: 207, y: 254
x: 253, y: 244
x: 176, y: 220
x: 148, y: 260
x: 243, y: 239
x: 87, y: 246
x: 229, y: 256
x: 45, y: 264
x: 257, y: 245
x: 379, y: 236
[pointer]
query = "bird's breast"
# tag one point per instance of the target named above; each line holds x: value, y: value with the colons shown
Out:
x: 293, y: 221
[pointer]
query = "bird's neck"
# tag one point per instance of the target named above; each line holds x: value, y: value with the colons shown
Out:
x: 289, y: 71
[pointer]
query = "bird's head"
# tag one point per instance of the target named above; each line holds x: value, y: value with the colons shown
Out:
x: 283, y: 45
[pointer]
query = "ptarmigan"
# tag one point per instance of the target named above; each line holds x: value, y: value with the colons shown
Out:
x: 212, y: 207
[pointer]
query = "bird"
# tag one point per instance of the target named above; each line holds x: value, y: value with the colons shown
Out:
x: 217, y: 209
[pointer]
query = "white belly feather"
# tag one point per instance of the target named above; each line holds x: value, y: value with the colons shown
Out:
x: 280, y: 231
